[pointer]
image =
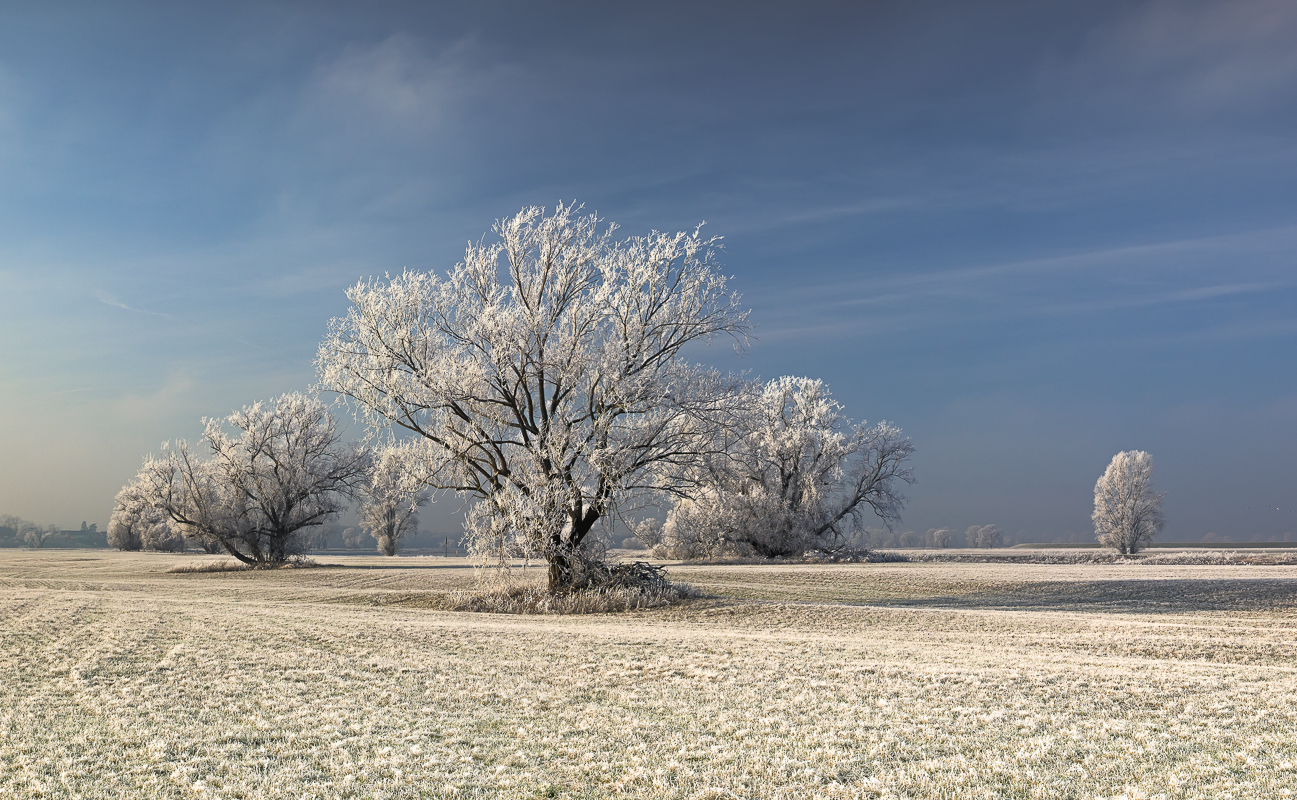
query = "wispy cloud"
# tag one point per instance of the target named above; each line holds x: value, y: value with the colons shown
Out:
x: 109, y: 300
x: 402, y: 87
x: 1182, y: 272
x: 253, y: 346
x: 1194, y: 59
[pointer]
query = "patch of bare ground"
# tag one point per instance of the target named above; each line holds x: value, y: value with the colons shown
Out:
x: 837, y: 681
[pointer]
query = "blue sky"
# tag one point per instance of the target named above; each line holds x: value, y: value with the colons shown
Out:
x: 1032, y: 234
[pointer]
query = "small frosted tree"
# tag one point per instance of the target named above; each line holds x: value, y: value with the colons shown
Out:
x: 792, y: 474
x: 284, y: 473
x: 1127, y: 512
x: 136, y: 525
x: 542, y: 377
x: 33, y: 535
x: 16, y: 525
x: 984, y: 536
x: 941, y: 538
x: 390, y: 499
x: 353, y: 538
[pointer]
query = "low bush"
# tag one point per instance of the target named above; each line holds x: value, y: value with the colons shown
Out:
x: 537, y: 600
x: 229, y: 565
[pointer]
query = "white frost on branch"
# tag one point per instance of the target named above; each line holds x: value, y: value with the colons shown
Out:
x: 542, y: 375
x: 137, y: 525
x: 390, y: 498
x: 1127, y: 512
x: 256, y: 492
x: 792, y: 474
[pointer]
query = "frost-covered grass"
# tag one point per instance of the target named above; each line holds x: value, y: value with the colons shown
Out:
x: 870, y: 680
x: 1188, y: 557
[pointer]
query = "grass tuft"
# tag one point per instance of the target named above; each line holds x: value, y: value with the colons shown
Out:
x: 225, y: 565
x: 1216, y: 558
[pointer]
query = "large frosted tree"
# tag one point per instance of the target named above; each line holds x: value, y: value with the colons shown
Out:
x: 1127, y: 512
x: 791, y: 474
x: 272, y: 472
x: 543, y: 375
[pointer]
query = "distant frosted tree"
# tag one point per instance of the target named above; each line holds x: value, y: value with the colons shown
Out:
x: 647, y: 534
x: 284, y: 473
x: 877, y: 538
x: 137, y: 525
x: 984, y: 536
x: 33, y: 535
x: 1127, y: 512
x: 793, y: 474
x: 390, y: 498
x: 123, y: 533
x: 353, y: 538
x: 26, y: 532
x: 942, y: 538
x: 13, y: 523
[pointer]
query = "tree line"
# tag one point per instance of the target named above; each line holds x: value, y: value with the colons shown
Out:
x: 544, y: 380
x: 25, y: 533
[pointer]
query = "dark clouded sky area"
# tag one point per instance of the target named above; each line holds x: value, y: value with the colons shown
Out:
x: 1032, y: 234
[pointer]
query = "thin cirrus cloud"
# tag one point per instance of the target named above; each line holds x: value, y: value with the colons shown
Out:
x: 110, y: 300
x: 1198, y: 58
x: 1075, y: 284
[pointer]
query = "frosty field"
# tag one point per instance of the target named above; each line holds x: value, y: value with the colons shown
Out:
x: 836, y: 681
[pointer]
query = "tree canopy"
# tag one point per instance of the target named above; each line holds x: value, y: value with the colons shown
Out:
x: 286, y: 470
x: 1127, y: 512
x: 543, y: 375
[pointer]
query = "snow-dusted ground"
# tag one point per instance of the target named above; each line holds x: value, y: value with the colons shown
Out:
x: 874, y: 680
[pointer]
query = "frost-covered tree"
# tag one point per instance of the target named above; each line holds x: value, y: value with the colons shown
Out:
x: 984, y: 536
x: 792, y: 474
x: 353, y: 538
x: 543, y: 375
x: 941, y: 538
x: 13, y: 524
x: 33, y: 535
x: 390, y: 500
x: 137, y: 525
x: 284, y: 472
x: 1127, y: 512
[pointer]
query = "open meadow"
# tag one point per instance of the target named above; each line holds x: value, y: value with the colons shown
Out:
x: 943, y: 680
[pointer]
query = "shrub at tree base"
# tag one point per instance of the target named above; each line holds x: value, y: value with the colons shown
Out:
x: 539, y: 600
x: 226, y: 565
x: 626, y: 587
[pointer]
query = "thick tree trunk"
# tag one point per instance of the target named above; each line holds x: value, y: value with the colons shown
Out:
x: 234, y: 551
x: 560, y: 572
x: 563, y: 557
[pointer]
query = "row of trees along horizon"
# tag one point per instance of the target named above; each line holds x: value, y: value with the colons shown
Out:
x: 18, y: 532
x: 542, y: 380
